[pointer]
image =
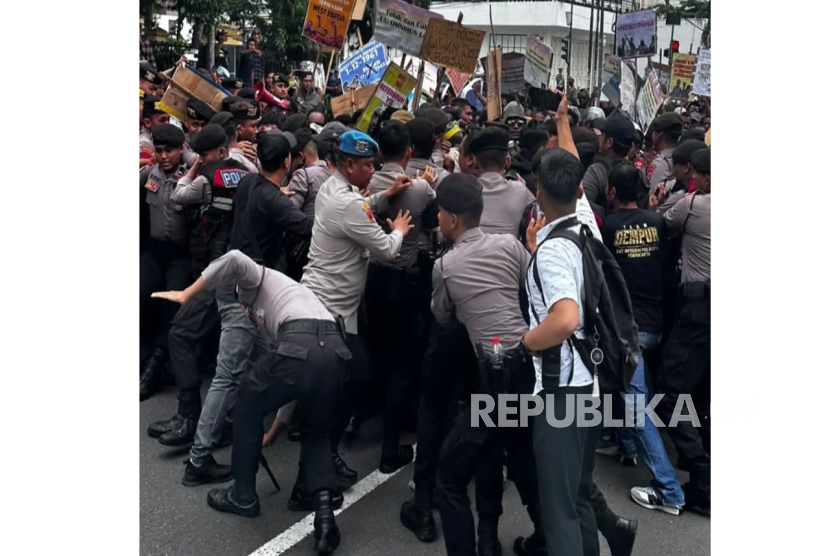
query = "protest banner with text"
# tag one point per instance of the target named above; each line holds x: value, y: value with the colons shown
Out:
x: 512, y: 73
x: 611, y: 78
x: 682, y: 71
x: 392, y: 91
x: 537, y: 62
x: 326, y: 22
x: 452, y: 45
x: 636, y: 34
x: 703, y: 74
x: 649, y: 99
x: 364, y: 66
x: 401, y: 25
x: 628, y: 88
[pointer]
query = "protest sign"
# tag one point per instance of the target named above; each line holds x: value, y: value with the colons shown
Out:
x: 611, y: 79
x: 628, y: 88
x: 649, y: 100
x: 636, y: 34
x: 352, y: 101
x: 430, y: 79
x: 359, y: 10
x: 450, y: 44
x: 682, y: 70
x: 458, y: 79
x: 364, y: 66
x: 402, y: 26
x: 703, y: 74
x: 512, y: 73
x: 537, y: 62
x: 392, y: 91
x: 326, y: 22
x: 188, y: 83
x: 493, y: 80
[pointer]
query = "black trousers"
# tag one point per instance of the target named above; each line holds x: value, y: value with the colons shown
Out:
x: 686, y: 369
x: 298, y: 367
x: 394, y: 337
x: 565, y: 463
x: 194, y: 326
x: 354, y: 390
x: 163, y: 266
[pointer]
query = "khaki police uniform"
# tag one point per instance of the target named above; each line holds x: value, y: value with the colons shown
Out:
x: 660, y: 170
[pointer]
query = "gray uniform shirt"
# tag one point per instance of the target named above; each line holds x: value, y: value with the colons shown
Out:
x: 696, y: 242
x: 238, y: 155
x: 344, y: 233
x: 504, y: 204
x: 437, y: 158
x: 279, y: 299
x: 480, y: 278
x: 416, y: 164
x: 305, y: 183
x: 660, y: 170
x: 415, y: 200
x: 168, y: 222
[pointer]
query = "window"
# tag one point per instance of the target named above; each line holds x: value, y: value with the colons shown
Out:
x: 510, y: 43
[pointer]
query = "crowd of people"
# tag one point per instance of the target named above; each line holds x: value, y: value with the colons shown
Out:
x: 326, y: 275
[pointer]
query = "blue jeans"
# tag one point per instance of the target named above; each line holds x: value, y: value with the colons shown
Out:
x: 646, y: 440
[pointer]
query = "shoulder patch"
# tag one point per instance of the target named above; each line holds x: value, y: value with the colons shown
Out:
x: 639, y: 163
x: 152, y: 186
x: 650, y: 171
x: 368, y: 210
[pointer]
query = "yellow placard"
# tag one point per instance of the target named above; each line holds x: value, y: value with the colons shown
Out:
x: 392, y: 91
x: 326, y: 22
x: 682, y: 72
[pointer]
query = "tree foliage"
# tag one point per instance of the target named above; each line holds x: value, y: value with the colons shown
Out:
x: 697, y: 10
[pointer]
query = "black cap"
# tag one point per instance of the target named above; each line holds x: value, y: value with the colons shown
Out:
x: 500, y: 125
x: 280, y: 78
x: 274, y: 147
x: 701, y: 162
x: 232, y: 83
x: 438, y: 117
x: 331, y: 131
x: 150, y: 107
x: 682, y: 154
x: 303, y: 136
x: 492, y: 138
x: 148, y: 72
x: 247, y: 93
x: 227, y: 101
x: 460, y: 194
x: 211, y: 137
x: 168, y: 135
x: 617, y: 127
x: 668, y: 122
x: 693, y: 133
x: 225, y: 121
x: 294, y: 122
x: 198, y: 110
x: 244, y: 111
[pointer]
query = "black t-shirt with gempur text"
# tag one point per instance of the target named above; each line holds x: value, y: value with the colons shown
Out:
x: 636, y: 238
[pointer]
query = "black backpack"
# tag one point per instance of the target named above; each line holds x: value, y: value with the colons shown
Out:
x: 612, y: 338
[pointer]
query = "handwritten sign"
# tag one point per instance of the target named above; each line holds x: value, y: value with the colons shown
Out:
x: 402, y: 26
x: 682, y: 70
x: 392, y: 91
x: 512, y: 73
x: 649, y: 100
x: 364, y: 66
x: 703, y: 75
x: 537, y: 62
x: 628, y: 87
x: 352, y: 101
x: 450, y: 44
x: 326, y: 22
x: 493, y: 78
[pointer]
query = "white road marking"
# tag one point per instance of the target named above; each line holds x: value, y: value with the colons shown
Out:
x: 305, y: 526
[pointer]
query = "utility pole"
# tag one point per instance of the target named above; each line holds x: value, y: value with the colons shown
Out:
x: 591, y: 46
x: 570, y: 17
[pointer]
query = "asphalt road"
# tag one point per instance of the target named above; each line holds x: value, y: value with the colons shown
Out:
x: 176, y: 520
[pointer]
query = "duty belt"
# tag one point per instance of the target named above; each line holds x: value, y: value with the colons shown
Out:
x: 310, y: 326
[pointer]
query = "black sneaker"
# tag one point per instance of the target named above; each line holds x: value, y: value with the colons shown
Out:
x: 221, y: 499
x: 419, y: 520
x: 160, y: 427
x: 208, y: 472
x: 181, y: 435
x: 621, y: 537
x: 391, y: 462
x: 653, y: 499
x: 697, y: 501
x: 304, y: 502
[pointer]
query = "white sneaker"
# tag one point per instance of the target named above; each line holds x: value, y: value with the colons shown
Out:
x: 649, y: 498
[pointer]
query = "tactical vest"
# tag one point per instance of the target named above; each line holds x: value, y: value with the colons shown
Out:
x: 217, y: 217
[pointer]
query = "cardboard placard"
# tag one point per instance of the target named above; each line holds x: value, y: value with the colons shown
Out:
x: 703, y: 74
x: 392, y: 91
x: 352, y: 101
x: 611, y: 79
x: 649, y: 100
x: 185, y: 84
x: 628, y: 88
x: 493, y: 82
x: 512, y: 73
x: 682, y: 71
x: 402, y: 26
x: 537, y: 62
x: 364, y: 67
x: 327, y: 21
x: 359, y: 10
x: 636, y: 34
x: 452, y: 45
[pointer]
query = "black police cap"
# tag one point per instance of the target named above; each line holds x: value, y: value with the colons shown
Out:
x: 668, y: 122
x: 247, y: 93
x: 617, y: 127
x: 227, y: 101
x: 211, y: 137
x: 148, y: 72
x: 232, y: 83
x: 168, y: 135
x: 420, y: 130
x: 701, y: 162
x: 294, y: 122
x: 684, y: 151
x: 460, y: 193
x: 438, y: 117
x: 199, y: 110
x: 223, y: 119
x: 303, y: 136
x: 492, y: 138
x: 244, y: 111
x: 280, y: 78
x: 150, y: 107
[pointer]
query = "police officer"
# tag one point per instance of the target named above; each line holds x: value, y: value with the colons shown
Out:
x: 617, y: 134
x: 232, y: 85
x: 392, y: 289
x: 151, y: 116
x: 422, y: 135
x: 198, y: 115
x: 665, y: 132
x: 505, y: 201
x: 149, y: 79
x: 165, y: 263
x: 440, y: 120
x: 304, y: 361
x: 478, y: 281
x: 345, y: 233
x: 227, y: 121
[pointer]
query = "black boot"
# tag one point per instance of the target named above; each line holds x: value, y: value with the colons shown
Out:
x: 151, y: 375
x: 621, y: 538
x: 160, y: 427
x: 697, y: 500
x: 488, y: 537
x: 346, y: 477
x: 207, y: 472
x: 419, y: 520
x: 534, y: 545
x: 302, y: 501
x: 326, y: 533
x: 222, y: 499
x: 392, y: 461
x: 182, y: 435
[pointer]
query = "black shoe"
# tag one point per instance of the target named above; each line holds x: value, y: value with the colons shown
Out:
x: 303, y: 502
x: 151, y: 376
x: 227, y: 436
x: 208, y: 472
x: 530, y: 546
x: 697, y: 501
x: 326, y: 533
x: 160, y: 427
x: 346, y: 477
x: 389, y: 463
x: 294, y: 435
x: 220, y: 499
x: 419, y: 520
x: 622, y: 541
x: 488, y: 537
x: 351, y: 429
x: 182, y: 435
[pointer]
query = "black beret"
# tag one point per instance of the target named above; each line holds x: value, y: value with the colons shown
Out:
x: 150, y: 107
x: 668, y: 122
x: 460, y: 193
x: 148, y: 72
x: 223, y: 119
x: 701, y: 162
x: 684, y: 151
x: 303, y: 136
x: 294, y: 122
x: 168, y: 135
x: 247, y: 93
x: 693, y: 133
x: 585, y: 135
x: 617, y: 127
x: 198, y: 110
x: 227, y: 101
x: 280, y: 78
x: 438, y: 117
x: 421, y: 130
x: 211, y: 137
x: 244, y: 111
x: 492, y: 138
x: 273, y: 147
x: 232, y: 83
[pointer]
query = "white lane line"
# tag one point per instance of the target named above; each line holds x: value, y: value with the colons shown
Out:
x: 305, y: 526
